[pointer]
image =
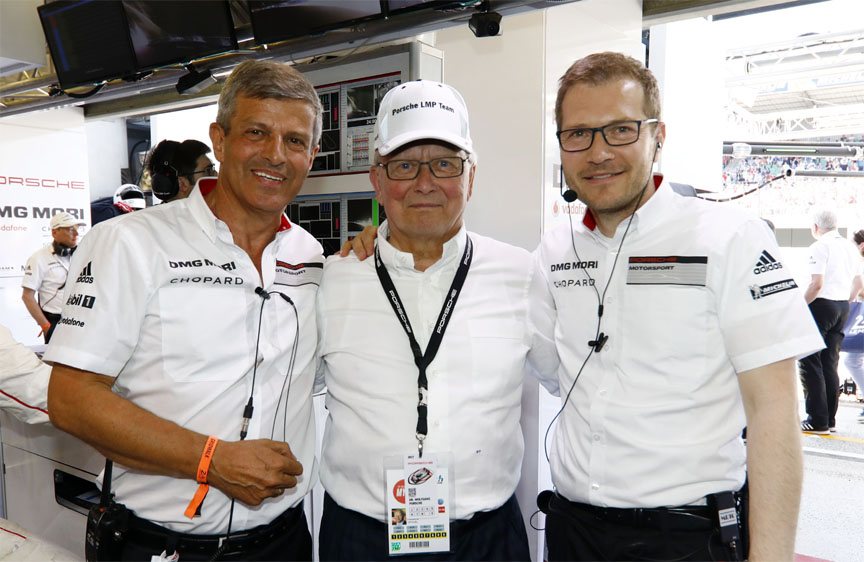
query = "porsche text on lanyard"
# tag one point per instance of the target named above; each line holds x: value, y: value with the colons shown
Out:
x: 422, y: 360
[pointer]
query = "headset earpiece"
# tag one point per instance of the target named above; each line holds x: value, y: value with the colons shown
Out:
x: 164, y: 181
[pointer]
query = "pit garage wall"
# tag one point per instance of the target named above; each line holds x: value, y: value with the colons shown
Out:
x: 43, y: 169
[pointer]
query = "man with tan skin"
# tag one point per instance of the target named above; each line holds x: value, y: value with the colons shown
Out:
x: 46, y: 272
x: 217, y: 339
x: 672, y: 337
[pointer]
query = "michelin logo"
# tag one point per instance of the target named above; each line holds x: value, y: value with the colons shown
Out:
x: 759, y: 291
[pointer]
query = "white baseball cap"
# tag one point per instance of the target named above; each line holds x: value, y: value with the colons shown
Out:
x: 65, y: 220
x: 420, y: 110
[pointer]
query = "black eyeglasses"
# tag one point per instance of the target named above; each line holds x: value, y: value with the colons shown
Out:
x: 619, y: 133
x: 447, y: 167
x: 208, y: 171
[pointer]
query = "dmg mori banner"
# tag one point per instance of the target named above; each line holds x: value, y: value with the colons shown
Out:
x: 43, y: 171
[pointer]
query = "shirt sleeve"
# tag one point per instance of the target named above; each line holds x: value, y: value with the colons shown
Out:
x: 818, y: 260
x: 33, y: 273
x: 321, y: 322
x: 762, y: 312
x: 109, y: 289
x: 543, y: 361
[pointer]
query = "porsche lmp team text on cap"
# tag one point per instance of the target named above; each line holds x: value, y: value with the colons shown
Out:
x: 65, y: 220
x: 418, y: 110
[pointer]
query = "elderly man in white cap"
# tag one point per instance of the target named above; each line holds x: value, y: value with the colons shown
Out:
x: 423, y: 350
x: 46, y: 271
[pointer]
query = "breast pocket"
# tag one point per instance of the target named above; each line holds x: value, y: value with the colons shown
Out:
x: 673, y: 325
x: 498, y: 351
x: 203, y: 327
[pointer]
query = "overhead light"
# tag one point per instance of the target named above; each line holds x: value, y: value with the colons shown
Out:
x: 194, y: 82
x: 792, y: 149
x: 741, y: 150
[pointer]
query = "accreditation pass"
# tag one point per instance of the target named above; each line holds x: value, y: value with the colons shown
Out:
x: 418, y: 507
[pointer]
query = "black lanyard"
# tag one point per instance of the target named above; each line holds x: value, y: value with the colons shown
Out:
x: 422, y: 360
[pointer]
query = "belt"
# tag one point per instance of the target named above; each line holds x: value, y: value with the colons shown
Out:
x: 151, y: 535
x: 695, y: 515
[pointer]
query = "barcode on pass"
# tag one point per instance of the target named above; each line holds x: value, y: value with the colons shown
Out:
x: 418, y: 544
x: 412, y: 492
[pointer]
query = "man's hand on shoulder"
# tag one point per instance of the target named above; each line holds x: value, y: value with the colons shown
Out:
x: 252, y: 471
x: 363, y: 244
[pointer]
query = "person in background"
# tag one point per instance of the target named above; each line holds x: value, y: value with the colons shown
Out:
x: 854, y: 360
x: 46, y: 272
x: 672, y: 337
x: 126, y: 199
x: 834, y: 264
x: 175, y: 168
x: 202, y: 334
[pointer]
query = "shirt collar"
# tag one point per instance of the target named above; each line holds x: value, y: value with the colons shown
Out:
x: 209, y: 222
x: 398, y: 259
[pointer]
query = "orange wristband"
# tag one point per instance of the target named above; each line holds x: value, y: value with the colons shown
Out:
x: 192, y: 510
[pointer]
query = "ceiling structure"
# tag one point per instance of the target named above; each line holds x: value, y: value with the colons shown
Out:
x: 32, y: 90
x: 808, y: 87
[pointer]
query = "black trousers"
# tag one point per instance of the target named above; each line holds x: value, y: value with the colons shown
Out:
x: 52, y: 319
x: 577, y: 531
x: 489, y: 535
x: 818, y: 371
x: 289, y: 540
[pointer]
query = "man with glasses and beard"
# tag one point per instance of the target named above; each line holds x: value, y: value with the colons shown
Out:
x: 676, y: 325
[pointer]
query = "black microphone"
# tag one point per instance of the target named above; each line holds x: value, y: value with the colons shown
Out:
x: 569, y: 195
x: 544, y: 499
x: 599, y: 342
x: 262, y: 293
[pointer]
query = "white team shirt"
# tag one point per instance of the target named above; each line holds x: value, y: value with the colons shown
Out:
x: 23, y: 381
x: 655, y: 417
x: 475, y: 381
x: 164, y: 300
x: 839, y: 261
x: 46, y: 274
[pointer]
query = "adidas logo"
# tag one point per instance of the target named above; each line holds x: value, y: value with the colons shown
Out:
x: 86, y: 275
x: 766, y: 263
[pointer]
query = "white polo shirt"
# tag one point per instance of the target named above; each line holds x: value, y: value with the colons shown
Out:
x: 46, y: 274
x: 164, y: 300
x: 655, y: 417
x: 475, y: 381
x: 23, y: 381
x: 838, y: 260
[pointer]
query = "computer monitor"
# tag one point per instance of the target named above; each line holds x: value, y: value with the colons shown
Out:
x: 88, y: 40
x: 166, y: 33
x: 278, y: 20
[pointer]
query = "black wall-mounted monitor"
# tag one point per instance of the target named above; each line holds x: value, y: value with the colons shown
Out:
x: 278, y: 20
x: 96, y: 40
x: 171, y: 32
x: 88, y: 40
